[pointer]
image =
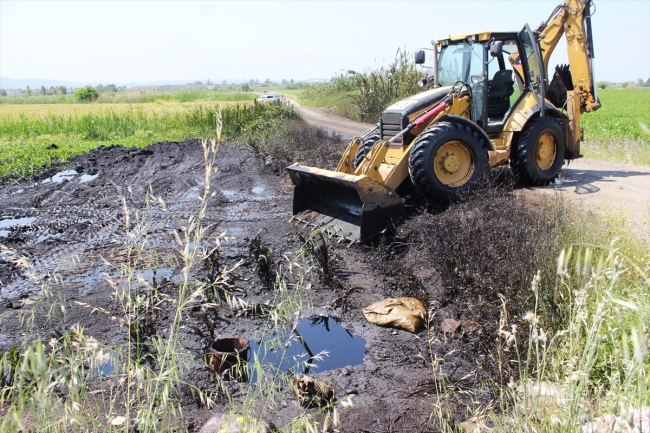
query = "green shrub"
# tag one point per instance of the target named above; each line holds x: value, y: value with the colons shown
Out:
x: 370, y: 92
x: 86, y: 94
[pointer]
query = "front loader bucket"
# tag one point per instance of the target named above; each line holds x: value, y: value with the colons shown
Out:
x: 359, y: 206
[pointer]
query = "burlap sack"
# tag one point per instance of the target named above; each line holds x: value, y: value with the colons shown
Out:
x: 403, y: 313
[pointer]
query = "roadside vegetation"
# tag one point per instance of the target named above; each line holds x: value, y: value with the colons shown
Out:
x: 363, y: 96
x: 571, y: 349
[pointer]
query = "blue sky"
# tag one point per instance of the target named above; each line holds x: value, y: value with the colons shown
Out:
x: 125, y: 41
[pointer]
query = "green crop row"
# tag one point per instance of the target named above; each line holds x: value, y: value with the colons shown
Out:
x: 137, y: 97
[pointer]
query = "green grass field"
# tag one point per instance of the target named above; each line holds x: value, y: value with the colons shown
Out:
x: 29, y: 143
x: 618, y: 131
x: 138, y: 97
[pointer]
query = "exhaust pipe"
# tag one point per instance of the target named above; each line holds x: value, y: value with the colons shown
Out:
x: 435, y: 63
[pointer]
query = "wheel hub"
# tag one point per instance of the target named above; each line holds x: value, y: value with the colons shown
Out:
x: 545, y: 151
x: 450, y: 162
x: 453, y: 164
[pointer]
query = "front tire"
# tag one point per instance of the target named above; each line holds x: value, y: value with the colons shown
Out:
x: 539, y: 152
x: 448, y: 159
x: 365, y: 148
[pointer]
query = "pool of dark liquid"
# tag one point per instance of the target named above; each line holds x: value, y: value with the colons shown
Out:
x: 318, y: 344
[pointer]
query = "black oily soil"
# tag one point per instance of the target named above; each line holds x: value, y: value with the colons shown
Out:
x: 80, y: 234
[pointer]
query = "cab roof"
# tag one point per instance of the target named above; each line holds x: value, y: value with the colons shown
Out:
x: 479, y: 36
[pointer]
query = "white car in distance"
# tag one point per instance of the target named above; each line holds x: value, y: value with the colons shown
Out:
x: 273, y: 97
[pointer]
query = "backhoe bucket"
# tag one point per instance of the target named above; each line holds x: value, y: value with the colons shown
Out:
x: 357, y: 207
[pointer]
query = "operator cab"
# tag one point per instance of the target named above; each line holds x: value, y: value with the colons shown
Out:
x: 491, y: 65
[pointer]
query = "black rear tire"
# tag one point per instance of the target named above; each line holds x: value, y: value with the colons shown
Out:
x: 538, y: 154
x: 448, y: 159
x: 365, y: 148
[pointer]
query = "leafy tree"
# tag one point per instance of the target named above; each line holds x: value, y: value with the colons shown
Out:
x: 624, y: 84
x: 3, y: 93
x: 63, y: 90
x: 28, y: 91
x: 100, y: 88
x: 110, y: 88
x: 86, y: 94
x: 246, y: 87
x: 43, y: 91
x: 602, y: 85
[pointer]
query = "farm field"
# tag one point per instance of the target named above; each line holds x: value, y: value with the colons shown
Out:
x: 13, y: 112
x: 33, y: 136
x: 619, y: 130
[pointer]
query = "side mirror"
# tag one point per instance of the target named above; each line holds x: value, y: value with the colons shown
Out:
x: 419, y: 57
x: 496, y: 48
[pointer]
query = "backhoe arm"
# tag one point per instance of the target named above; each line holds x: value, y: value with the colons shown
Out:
x: 572, y: 19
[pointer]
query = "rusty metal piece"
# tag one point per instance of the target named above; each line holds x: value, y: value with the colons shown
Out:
x: 228, y: 353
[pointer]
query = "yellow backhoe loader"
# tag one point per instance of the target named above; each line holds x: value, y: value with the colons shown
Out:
x: 489, y: 104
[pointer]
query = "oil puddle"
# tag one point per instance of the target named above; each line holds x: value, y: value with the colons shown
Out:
x: 60, y: 177
x: 587, y: 188
x: 47, y: 236
x: 88, y: 177
x: 17, y: 222
x: 106, y: 369
x: 317, y: 345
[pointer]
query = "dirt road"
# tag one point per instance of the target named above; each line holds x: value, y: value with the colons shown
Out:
x: 598, y: 185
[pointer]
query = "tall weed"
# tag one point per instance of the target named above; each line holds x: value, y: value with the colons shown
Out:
x: 363, y: 96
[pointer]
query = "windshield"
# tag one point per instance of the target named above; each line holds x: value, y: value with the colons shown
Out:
x: 459, y: 61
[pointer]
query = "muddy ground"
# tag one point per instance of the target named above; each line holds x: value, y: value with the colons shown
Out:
x: 75, y: 229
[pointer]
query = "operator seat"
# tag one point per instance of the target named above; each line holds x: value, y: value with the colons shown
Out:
x: 500, y: 89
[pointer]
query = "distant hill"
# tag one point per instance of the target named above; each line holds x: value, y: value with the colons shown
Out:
x: 35, y: 83
x: 10, y: 83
